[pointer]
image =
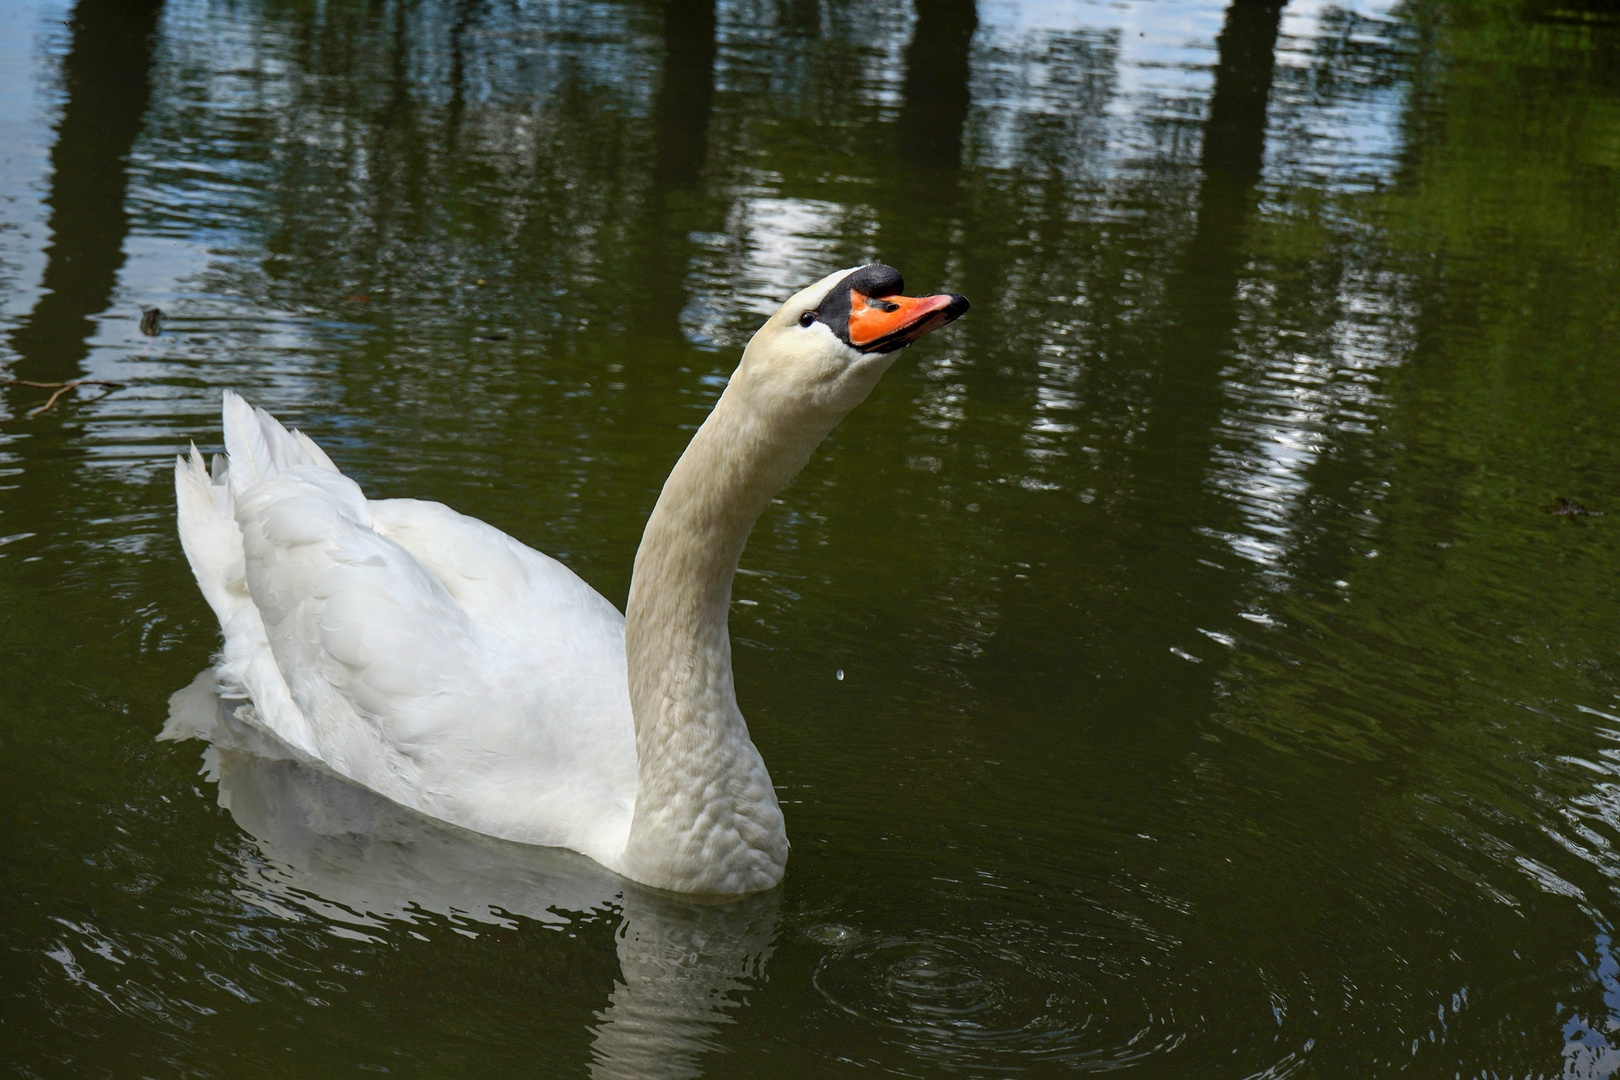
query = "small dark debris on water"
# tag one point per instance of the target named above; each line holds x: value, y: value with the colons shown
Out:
x: 491, y: 337
x: 359, y: 298
x: 152, y: 321
x: 1569, y: 508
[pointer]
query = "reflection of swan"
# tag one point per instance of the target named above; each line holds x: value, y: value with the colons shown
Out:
x: 357, y: 859
x: 439, y: 662
x: 683, y: 965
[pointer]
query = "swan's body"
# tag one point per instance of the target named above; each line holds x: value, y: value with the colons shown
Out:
x: 437, y: 661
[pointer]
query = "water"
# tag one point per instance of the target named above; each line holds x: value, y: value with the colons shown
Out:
x: 1172, y: 668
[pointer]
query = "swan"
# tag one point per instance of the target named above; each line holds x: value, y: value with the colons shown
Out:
x: 442, y: 664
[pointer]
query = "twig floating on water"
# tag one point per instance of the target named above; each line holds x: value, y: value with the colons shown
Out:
x: 60, y: 388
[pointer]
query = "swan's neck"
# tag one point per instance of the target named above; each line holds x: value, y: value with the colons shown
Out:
x: 706, y: 816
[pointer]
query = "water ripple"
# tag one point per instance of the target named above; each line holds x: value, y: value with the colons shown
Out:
x: 1006, y: 998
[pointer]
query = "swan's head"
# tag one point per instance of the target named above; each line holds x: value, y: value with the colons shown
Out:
x: 824, y: 350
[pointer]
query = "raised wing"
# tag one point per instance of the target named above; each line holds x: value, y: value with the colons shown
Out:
x: 426, y: 655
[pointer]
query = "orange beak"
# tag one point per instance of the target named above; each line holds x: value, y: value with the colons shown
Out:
x: 886, y: 323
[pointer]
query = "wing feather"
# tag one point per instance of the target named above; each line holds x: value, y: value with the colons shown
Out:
x: 417, y: 651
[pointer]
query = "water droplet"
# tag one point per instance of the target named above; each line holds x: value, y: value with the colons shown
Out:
x: 840, y: 675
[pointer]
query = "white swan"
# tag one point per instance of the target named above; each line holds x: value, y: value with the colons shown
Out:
x: 439, y: 662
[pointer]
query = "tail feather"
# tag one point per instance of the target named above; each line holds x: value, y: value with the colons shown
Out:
x: 210, y: 536
x: 259, y: 447
x: 313, y: 454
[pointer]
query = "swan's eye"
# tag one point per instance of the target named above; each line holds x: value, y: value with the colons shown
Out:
x: 807, y: 319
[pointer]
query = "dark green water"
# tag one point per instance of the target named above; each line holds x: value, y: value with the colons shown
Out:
x: 1217, y: 698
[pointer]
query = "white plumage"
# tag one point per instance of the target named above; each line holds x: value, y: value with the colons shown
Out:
x: 439, y: 662
x: 416, y: 651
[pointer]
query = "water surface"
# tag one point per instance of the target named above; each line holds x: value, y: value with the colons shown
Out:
x: 1172, y: 668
